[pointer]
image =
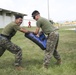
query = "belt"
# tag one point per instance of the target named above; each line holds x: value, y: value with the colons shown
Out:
x: 5, y: 36
x: 51, y: 32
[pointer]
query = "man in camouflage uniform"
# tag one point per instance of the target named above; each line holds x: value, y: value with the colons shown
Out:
x: 5, y: 40
x: 52, y: 39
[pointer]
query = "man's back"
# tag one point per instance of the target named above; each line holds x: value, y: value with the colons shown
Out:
x: 46, y: 25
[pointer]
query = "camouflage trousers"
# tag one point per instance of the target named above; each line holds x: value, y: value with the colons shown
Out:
x: 6, y: 44
x: 51, y: 49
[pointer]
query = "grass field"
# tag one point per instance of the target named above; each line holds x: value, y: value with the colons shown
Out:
x: 33, y: 56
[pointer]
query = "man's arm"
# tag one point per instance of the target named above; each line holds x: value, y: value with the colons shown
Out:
x: 26, y: 31
x: 23, y: 30
x: 36, y: 31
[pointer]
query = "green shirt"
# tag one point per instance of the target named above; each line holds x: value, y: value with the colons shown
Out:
x: 45, y: 25
x: 11, y: 29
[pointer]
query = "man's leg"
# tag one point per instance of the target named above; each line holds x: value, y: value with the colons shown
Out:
x: 56, y: 54
x: 51, y: 42
x: 2, y: 50
x: 15, y: 50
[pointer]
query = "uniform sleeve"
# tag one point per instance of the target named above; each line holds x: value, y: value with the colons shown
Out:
x: 38, y: 24
x: 16, y: 27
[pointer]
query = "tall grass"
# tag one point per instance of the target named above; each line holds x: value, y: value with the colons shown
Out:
x: 33, y: 56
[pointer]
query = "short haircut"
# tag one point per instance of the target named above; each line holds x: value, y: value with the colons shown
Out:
x: 18, y: 16
x: 34, y: 13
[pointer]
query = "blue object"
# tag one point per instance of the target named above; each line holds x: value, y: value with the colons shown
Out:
x: 40, y: 41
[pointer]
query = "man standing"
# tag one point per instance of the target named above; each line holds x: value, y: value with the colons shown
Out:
x: 29, y: 24
x: 52, y: 40
x: 5, y: 40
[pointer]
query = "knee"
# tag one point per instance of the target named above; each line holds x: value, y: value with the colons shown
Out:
x: 18, y: 50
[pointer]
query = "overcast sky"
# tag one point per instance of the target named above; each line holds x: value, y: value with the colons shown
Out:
x: 59, y: 9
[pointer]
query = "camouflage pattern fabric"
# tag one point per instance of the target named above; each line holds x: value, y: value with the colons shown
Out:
x: 6, y: 44
x: 52, y: 43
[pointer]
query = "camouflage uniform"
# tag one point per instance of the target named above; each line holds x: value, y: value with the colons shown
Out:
x: 52, y: 43
x: 6, y: 44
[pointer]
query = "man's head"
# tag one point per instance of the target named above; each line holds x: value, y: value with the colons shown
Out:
x: 18, y: 19
x: 35, y: 15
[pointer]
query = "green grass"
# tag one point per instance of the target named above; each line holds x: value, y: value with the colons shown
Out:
x: 33, y: 56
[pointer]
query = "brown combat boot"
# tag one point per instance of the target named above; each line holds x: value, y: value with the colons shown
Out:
x: 58, y: 62
x: 45, y: 66
x: 19, y: 68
